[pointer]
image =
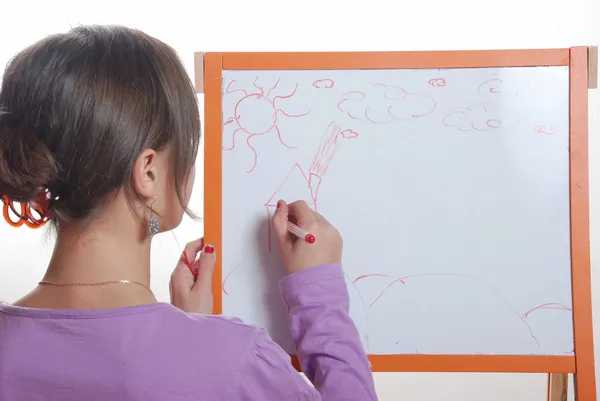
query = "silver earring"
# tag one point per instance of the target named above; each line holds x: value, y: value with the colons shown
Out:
x: 153, y: 223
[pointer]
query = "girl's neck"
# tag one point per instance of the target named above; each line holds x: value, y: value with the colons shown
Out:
x: 107, y: 249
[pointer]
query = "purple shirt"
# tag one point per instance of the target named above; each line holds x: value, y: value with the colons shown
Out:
x: 157, y: 352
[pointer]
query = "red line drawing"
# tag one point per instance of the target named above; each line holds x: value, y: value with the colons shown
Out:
x: 478, y: 117
x: 542, y: 322
x: 370, y: 275
x: 383, y: 104
x: 353, y: 290
x: 365, y: 310
x: 225, y: 280
x: 542, y: 129
x: 552, y: 305
x: 394, y: 281
x: 256, y: 114
x: 522, y: 317
x: 496, y: 86
x: 437, y: 82
x: 306, y: 186
x: 491, y: 85
x: 364, y: 307
x: 323, y: 83
x: 240, y: 264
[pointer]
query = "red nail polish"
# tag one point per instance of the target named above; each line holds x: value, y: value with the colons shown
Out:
x: 278, y: 205
x: 209, y: 249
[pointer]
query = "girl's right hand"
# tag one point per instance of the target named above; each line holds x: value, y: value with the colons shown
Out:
x: 297, y: 254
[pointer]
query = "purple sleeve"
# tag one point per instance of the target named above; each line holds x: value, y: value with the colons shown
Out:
x: 329, y: 347
x: 268, y: 375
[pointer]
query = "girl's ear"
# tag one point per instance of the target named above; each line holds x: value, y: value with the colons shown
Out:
x: 145, y: 174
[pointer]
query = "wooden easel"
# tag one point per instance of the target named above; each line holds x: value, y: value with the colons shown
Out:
x: 583, y: 66
x: 557, y: 386
x: 558, y: 383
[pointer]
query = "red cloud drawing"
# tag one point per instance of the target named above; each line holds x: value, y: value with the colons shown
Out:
x: 437, y: 82
x: 383, y: 104
x: 323, y: 83
x: 542, y: 129
x: 479, y: 117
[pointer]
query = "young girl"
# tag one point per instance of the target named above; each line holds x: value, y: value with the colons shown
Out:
x: 100, y: 127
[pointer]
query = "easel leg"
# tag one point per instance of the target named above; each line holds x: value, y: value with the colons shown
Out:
x: 557, y: 386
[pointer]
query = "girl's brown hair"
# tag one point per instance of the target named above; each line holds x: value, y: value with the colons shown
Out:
x: 76, y: 109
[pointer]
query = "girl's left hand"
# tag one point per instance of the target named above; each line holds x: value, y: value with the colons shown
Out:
x: 191, y: 287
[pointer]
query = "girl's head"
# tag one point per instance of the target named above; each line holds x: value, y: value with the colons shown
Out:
x: 101, y: 117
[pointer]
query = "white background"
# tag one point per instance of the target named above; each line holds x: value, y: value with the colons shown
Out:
x: 246, y: 25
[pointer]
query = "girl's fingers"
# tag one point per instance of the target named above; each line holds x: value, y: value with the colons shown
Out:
x: 183, y: 275
x: 192, y: 248
x: 280, y: 224
x: 204, y: 268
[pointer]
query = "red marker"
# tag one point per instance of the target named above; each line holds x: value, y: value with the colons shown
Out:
x: 300, y: 233
x: 189, y: 264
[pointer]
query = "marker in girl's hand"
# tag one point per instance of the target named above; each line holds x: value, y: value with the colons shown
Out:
x: 300, y: 233
x: 189, y: 264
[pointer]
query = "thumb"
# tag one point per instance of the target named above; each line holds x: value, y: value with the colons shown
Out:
x: 280, y: 226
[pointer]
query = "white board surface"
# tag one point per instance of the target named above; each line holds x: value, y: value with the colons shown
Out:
x: 450, y: 188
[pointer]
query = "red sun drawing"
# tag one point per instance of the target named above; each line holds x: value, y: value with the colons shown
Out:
x: 256, y: 113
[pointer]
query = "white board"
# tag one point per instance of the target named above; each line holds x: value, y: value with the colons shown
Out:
x: 450, y: 188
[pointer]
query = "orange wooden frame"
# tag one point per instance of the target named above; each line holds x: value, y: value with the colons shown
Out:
x: 576, y: 58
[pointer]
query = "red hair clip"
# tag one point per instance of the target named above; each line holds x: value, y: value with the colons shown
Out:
x: 42, y: 201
